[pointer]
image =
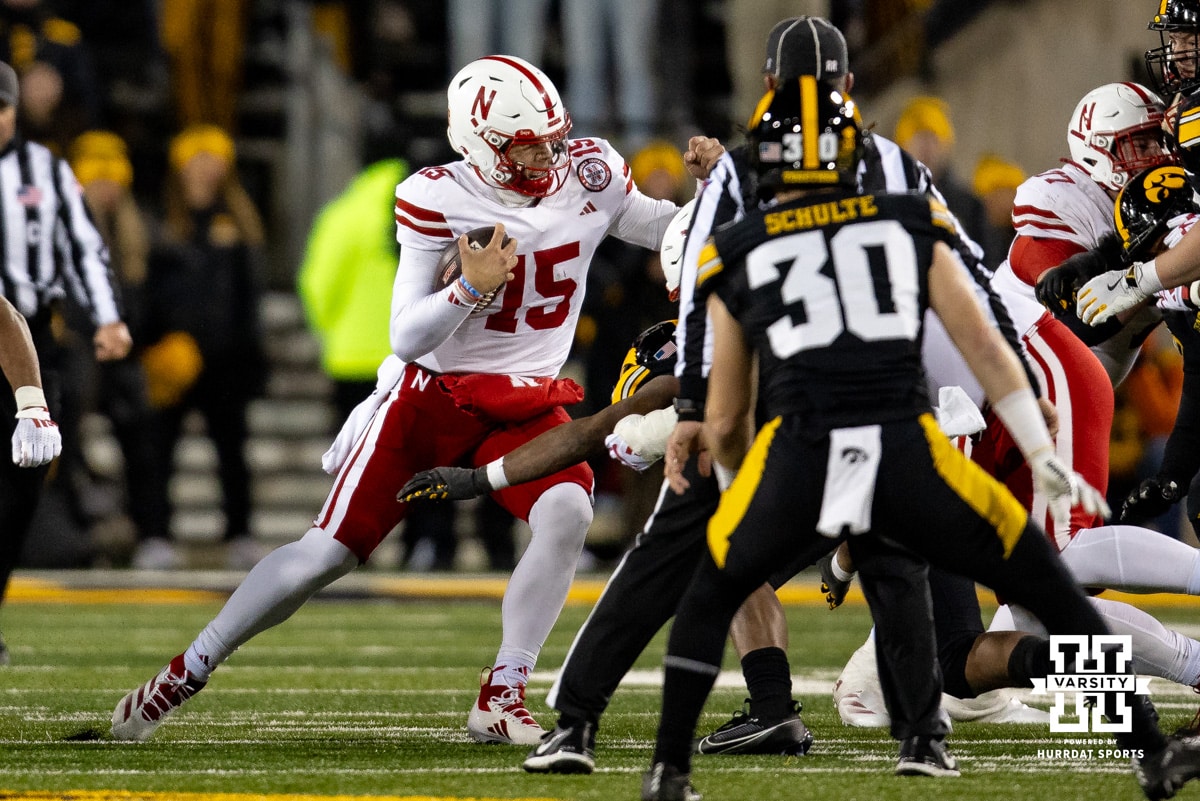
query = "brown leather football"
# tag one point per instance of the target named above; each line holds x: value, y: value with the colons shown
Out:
x: 449, y: 266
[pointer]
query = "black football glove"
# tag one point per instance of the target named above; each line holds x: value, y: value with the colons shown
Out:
x: 1056, y: 288
x: 1150, y: 499
x: 446, y: 484
x: 834, y: 588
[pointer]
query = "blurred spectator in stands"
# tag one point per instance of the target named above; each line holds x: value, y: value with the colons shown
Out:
x: 478, y: 28
x: 204, y: 286
x: 101, y: 163
x: 614, y: 38
x: 995, y: 183
x: 205, y: 42
x: 1152, y: 391
x: 60, y: 93
x: 116, y: 30
x: 924, y: 130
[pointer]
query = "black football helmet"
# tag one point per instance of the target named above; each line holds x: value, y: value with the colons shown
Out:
x: 1173, y: 71
x: 805, y: 134
x: 1147, y: 203
x: 653, y: 354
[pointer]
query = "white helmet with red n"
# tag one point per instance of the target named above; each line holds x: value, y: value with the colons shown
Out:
x: 497, y: 102
x: 1116, y: 131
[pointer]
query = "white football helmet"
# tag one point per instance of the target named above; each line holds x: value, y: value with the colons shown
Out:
x: 1116, y: 131
x: 497, y: 102
x: 670, y: 252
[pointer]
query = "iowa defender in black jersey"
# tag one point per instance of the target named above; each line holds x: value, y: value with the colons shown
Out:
x: 828, y: 289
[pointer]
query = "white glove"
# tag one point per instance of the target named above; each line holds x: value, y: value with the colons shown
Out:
x: 644, y: 436
x: 620, y: 450
x: 1115, y: 291
x: 1184, y: 298
x: 36, y: 440
x: 1063, y: 488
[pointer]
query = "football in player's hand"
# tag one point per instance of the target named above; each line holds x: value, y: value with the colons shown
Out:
x: 449, y: 266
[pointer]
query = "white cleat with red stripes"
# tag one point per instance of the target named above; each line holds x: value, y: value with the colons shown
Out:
x: 140, y: 712
x: 499, y: 715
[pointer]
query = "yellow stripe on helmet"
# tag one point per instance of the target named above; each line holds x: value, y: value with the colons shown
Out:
x: 808, y: 121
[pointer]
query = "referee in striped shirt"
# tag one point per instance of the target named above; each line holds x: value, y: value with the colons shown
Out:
x: 48, y: 247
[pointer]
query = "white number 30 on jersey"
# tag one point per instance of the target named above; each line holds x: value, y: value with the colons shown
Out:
x: 847, y: 301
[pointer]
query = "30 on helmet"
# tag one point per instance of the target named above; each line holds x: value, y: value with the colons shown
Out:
x: 1173, y: 65
x: 497, y: 103
x: 1147, y: 203
x: 1115, y: 131
x: 670, y: 253
x: 805, y: 134
x: 653, y: 354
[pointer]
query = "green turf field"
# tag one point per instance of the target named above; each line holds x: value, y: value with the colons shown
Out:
x: 370, y: 698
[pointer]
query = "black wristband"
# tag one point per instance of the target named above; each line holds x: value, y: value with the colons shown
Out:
x: 689, y: 410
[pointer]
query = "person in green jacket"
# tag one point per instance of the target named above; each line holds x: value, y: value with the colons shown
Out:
x: 345, y: 281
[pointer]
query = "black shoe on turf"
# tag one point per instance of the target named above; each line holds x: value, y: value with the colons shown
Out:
x: 569, y: 750
x: 1162, y: 774
x: 926, y: 756
x: 746, y: 735
x: 665, y: 783
x: 834, y: 588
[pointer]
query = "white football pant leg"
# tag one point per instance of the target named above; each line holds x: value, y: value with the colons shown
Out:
x: 269, y: 594
x: 1132, y: 559
x: 539, y: 583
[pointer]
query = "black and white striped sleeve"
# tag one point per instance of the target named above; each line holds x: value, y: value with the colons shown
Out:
x: 81, y: 250
x: 721, y: 202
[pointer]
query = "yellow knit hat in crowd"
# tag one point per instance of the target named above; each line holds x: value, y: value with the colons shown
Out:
x: 924, y: 113
x: 203, y: 138
x: 658, y: 155
x: 993, y: 172
x: 101, y: 155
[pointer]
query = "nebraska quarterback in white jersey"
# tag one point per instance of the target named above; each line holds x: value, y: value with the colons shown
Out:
x: 469, y: 380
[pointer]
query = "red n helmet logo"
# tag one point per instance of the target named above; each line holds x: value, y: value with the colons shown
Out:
x: 1085, y: 116
x: 482, y: 107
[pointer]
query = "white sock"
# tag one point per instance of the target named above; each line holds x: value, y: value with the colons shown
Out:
x: 271, y: 592
x: 538, y: 586
x: 513, y: 666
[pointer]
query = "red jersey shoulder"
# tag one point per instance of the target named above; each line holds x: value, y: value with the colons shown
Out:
x: 598, y: 166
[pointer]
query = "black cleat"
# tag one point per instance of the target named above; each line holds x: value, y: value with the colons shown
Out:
x: 1163, y: 773
x: 746, y: 735
x: 926, y: 756
x: 569, y: 750
x: 834, y: 588
x: 665, y: 783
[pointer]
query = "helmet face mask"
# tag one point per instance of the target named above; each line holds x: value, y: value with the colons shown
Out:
x: 1174, y: 66
x: 806, y: 134
x: 507, y: 120
x: 1116, y: 131
x: 1146, y: 204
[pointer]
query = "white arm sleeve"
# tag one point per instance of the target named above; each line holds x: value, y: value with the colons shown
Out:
x: 643, y: 221
x: 421, y: 320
